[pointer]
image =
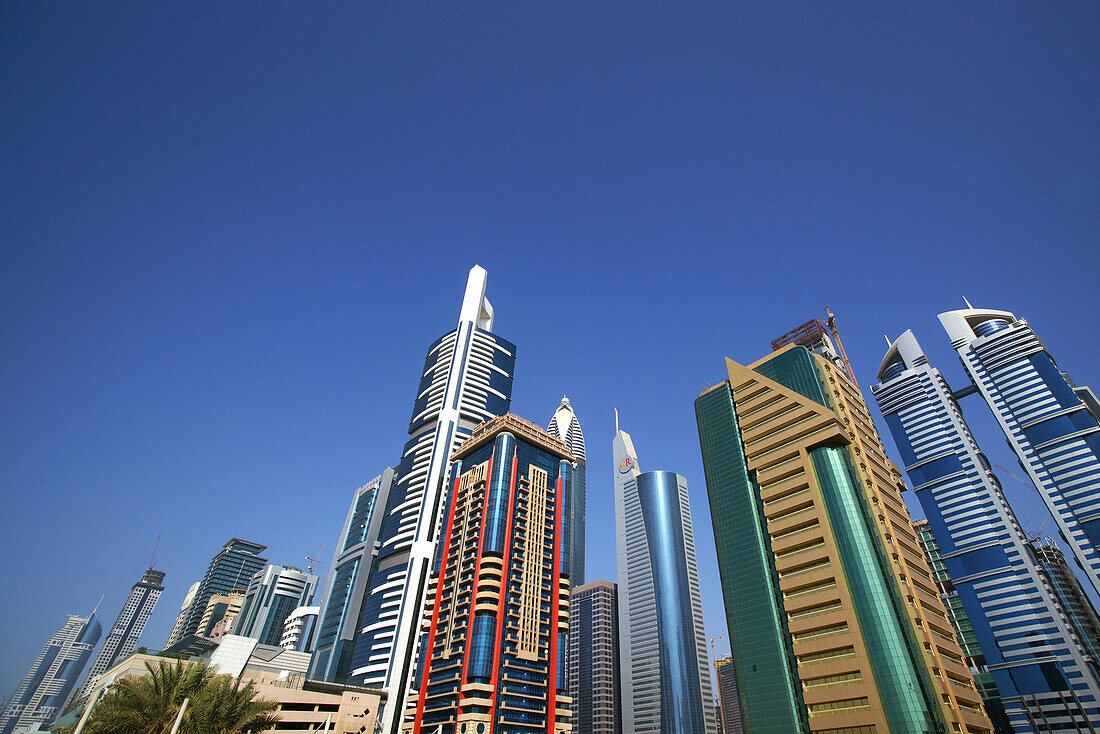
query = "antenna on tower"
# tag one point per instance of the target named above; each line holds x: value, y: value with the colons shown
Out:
x: 155, y: 546
x: 967, y: 302
x: 616, y: 419
x: 887, y: 340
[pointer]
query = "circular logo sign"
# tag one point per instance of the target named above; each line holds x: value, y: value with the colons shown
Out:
x: 626, y: 465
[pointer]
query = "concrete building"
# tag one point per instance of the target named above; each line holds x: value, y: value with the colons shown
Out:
x: 665, y: 679
x: 127, y: 629
x: 564, y: 425
x: 467, y: 379
x: 834, y: 621
x: 340, y: 621
x: 496, y: 650
x: 43, y: 691
x: 1043, y: 675
x: 298, y: 629
x: 730, y: 719
x: 230, y: 569
x: 221, y: 613
x: 594, y: 659
x: 181, y: 620
x: 1052, y: 424
x: 273, y: 593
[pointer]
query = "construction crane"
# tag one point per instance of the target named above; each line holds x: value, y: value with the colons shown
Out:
x: 812, y: 333
x: 312, y: 560
x: 1039, y: 533
x: 831, y: 323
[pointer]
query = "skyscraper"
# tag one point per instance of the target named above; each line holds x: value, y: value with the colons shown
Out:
x: 39, y: 698
x: 727, y: 697
x: 339, y: 622
x: 594, y: 659
x: 1049, y: 422
x: 181, y: 620
x: 495, y: 655
x: 230, y: 569
x: 124, y: 635
x: 664, y: 669
x: 834, y: 621
x: 273, y: 593
x: 1040, y: 669
x: 298, y: 629
x: 564, y: 425
x: 467, y: 379
x: 221, y: 608
x: 1067, y: 589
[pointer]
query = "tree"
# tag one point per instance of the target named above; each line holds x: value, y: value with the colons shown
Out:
x: 149, y: 704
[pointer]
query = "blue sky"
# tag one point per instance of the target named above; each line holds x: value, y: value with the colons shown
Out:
x: 228, y: 234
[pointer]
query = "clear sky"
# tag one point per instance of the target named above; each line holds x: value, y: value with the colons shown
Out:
x: 228, y: 235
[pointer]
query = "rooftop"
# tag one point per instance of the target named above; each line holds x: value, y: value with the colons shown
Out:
x: 521, y: 429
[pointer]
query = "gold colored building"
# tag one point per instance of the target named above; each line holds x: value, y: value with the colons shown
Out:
x: 835, y: 621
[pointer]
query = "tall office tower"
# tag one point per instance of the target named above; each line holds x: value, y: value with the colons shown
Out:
x: 39, y: 698
x: 664, y: 669
x: 273, y: 593
x: 342, y: 603
x: 964, y: 630
x: 495, y: 654
x: 727, y: 697
x: 564, y: 425
x: 221, y: 608
x: 1042, y: 673
x: 181, y: 620
x: 1067, y: 589
x: 594, y: 659
x: 467, y: 379
x: 1050, y: 423
x: 124, y: 635
x: 298, y: 629
x: 230, y: 569
x: 834, y: 621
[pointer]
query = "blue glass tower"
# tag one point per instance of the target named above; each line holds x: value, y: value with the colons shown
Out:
x: 1046, y: 679
x: 1053, y: 430
x: 467, y: 379
x: 665, y: 676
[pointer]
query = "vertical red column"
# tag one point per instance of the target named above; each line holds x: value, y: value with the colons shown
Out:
x: 555, y: 614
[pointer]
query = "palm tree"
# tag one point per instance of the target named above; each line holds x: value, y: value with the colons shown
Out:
x: 149, y: 704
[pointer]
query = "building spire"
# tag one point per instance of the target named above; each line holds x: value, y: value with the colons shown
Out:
x: 616, y: 419
x: 967, y: 302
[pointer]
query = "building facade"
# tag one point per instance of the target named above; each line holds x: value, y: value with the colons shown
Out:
x: 467, y: 379
x: 1054, y: 432
x: 1040, y: 669
x: 564, y: 425
x: 1063, y: 583
x: 342, y: 604
x: 230, y: 569
x: 594, y: 659
x: 665, y: 679
x: 127, y: 629
x: 181, y: 620
x: 298, y: 629
x: 273, y: 593
x: 496, y: 650
x: 729, y: 705
x: 43, y: 691
x: 834, y: 621
x: 221, y: 613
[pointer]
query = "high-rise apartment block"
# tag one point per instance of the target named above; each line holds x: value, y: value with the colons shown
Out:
x: 564, y: 425
x: 42, y: 693
x: 273, y: 593
x: 664, y: 670
x: 834, y: 620
x: 1071, y: 596
x: 298, y: 629
x: 1049, y: 422
x: 1045, y: 678
x: 495, y: 656
x: 221, y: 613
x: 124, y: 634
x: 594, y: 659
x: 730, y: 719
x: 466, y: 380
x: 230, y: 569
x: 342, y: 605
x: 181, y: 620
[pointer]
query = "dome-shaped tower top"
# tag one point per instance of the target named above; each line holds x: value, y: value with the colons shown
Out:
x: 564, y: 425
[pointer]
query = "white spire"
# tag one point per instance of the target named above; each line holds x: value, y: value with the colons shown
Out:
x: 967, y: 302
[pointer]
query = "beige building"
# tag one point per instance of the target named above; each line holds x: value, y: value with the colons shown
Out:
x: 220, y: 613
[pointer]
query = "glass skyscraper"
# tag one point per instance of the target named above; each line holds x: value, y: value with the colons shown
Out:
x: 728, y: 697
x: 564, y: 425
x: 230, y: 569
x: 127, y: 629
x: 467, y: 379
x: 594, y: 658
x: 273, y: 593
x: 339, y: 622
x: 496, y: 652
x: 1049, y: 422
x: 834, y: 621
x: 664, y: 669
x: 42, y: 693
x: 1046, y: 680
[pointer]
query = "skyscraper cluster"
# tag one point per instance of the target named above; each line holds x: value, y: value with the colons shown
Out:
x: 457, y: 587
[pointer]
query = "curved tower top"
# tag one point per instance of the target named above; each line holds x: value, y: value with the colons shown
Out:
x: 963, y: 326
x: 564, y: 425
